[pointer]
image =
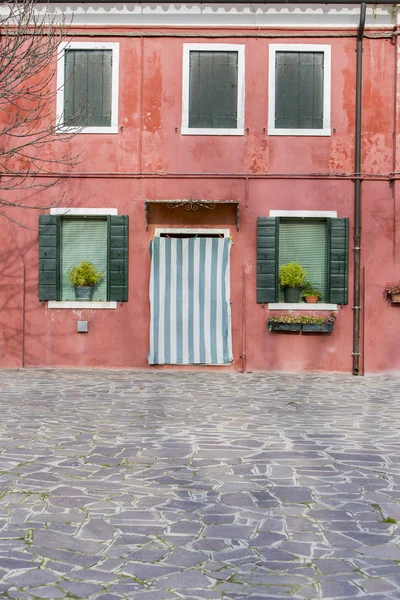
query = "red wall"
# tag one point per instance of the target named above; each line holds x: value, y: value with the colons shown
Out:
x: 256, y: 170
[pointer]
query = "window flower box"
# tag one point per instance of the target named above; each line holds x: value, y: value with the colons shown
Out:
x: 391, y: 292
x: 303, y: 323
x: 285, y: 327
x: 317, y: 327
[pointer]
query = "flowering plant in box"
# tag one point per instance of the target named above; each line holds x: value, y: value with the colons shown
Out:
x: 390, y: 289
x: 303, y: 319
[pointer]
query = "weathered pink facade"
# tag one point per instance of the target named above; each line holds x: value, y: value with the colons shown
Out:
x: 149, y: 159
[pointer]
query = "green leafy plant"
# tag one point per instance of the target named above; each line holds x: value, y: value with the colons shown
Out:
x: 309, y: 290
x: 391, y: 288
x: 85, y: 275
x: 304, y: 319
x: 292, y: 275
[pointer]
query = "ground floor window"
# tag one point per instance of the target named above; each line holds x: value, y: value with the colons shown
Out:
x: 71, y: 236
x: 319, y: 243
x: 305, y: 241
x: 83, y: 240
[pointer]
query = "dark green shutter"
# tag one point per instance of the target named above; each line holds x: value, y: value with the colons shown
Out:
x: 49, y: 250
x: 87, y: 88
x: 213, y: 81
x: 118, y: 258
x: 267, y: 259
x: 338, y: 260
x: 299, y: 90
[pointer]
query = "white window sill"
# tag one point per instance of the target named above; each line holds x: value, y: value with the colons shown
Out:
x: 210, y: 131
x: 77, y: 130
x: 301, y: 306
x: 305, y: 132
x: 78, y: 305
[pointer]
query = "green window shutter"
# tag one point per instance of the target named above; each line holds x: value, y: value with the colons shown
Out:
x: 267, y: 259
x: 299, y: 90
x: 213, y: 82
x: 118, y: 258
x: 305, y: 241
x: 49, y: 247
x: 87, y: 88
x: 338, y: 260
x: 83, y: 239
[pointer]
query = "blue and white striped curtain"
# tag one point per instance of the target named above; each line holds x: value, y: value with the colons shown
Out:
x: 190, y: 319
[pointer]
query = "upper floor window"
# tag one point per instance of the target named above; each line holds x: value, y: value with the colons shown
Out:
x: 299, y: 84
x: 87, y: 96
x: 213, y: 89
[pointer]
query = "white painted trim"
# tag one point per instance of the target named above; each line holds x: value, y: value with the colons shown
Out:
x: 301, y: 306
x: 326, y: 49
x: 254, y: 17
x: 303, y: 214
x: 114, y: 46
x: 159, y: 230
x: 83, y: 212
x: 239, y: 48
x: 77, y: 305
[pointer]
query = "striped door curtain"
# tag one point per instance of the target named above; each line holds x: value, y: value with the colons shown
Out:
x: 190, y: 320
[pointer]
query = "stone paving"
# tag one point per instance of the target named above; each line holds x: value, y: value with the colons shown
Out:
x: 160, y: 485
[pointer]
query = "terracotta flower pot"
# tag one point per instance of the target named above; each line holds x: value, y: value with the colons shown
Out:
x: 312, y: 299
x: 395, y: 298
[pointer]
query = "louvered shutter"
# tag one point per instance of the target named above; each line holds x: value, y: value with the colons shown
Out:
x: 87, y: 89
x: 118, y: 258
x: 338, y: 260
x: 267, y: 259
x: 83, y: 240
x: 49, y: 288
x: 305, y: 242
x: 299, y: 90
x: 213, y: 83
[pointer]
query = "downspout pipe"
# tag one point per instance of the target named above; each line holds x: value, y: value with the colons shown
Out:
x: 357, y: 198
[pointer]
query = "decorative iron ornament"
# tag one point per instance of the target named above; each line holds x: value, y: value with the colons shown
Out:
x: 191, y: 204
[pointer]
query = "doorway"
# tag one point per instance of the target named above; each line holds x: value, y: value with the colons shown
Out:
x: 190, y: 313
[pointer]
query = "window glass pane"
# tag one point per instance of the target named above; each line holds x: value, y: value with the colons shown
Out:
x: 213, y: 89
x: 305, y: 242
x: 299, y: 90
x: 87, y: 89
x: 83, y: 239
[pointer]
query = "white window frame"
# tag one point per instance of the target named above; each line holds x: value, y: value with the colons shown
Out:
x: 303, y: 214
x: 326, y: 128
x: 187, y: 48
x: 114, y: 46
x: 192, y: 230
x: 82, y: 212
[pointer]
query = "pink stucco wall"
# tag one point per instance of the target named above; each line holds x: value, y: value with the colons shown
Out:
x: 256, y: 170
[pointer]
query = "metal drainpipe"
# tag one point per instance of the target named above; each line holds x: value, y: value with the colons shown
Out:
x: 357, y: 198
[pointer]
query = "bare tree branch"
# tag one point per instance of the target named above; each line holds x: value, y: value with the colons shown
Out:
x: 29, y: 45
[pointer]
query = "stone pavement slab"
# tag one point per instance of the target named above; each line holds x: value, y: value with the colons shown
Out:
x: 200, y: 485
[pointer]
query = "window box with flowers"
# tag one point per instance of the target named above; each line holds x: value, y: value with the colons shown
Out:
x: 302, y: 323
x: 391, y: 292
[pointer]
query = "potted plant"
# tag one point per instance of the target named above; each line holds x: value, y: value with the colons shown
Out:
x: 84, y: 277
x: 391, y: 292
x: 291, y: 278
x: 310, y: 294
